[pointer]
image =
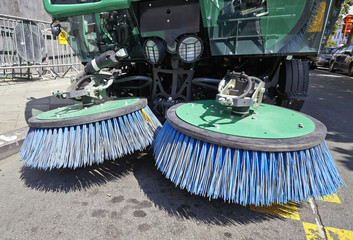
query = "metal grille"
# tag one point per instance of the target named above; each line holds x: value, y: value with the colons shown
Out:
x: 27, y: 48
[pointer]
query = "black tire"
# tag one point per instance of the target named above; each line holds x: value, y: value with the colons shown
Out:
x: 331, y: 68
x: 293, y: 84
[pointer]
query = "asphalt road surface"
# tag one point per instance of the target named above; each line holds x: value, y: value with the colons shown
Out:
x: 130, y: 199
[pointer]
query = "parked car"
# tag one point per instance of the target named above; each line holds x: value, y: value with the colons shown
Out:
x: 323, y: 60
x: 342, y: 60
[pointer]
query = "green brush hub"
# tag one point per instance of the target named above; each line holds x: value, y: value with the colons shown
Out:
x: 266, y: 122
x: 78, y: 114
x: 78, y: 110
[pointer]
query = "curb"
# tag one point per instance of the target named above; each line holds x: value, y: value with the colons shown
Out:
x: 11, y: 142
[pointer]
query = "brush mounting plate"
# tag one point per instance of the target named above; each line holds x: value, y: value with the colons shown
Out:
x: 269, y: 128
x: 78, y: 114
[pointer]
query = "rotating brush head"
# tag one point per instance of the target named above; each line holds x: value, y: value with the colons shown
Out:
x: 73, y: 137
x: 210, y: 152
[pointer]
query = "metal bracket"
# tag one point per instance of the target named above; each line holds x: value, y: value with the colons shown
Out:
x: 240, y: 91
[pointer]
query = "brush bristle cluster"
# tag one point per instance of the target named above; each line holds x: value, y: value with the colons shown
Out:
x: 242, y: 176
x: 88, y: 144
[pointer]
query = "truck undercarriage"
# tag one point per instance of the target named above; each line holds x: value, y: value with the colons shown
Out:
x: 178, y: 51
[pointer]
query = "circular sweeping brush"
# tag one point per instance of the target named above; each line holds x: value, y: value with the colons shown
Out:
x: 271, y: 155
x: 77, y: 136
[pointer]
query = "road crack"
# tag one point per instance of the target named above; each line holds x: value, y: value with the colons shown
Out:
x: 320, y: 225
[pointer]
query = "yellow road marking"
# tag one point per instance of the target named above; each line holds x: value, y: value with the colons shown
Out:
x: 312, y: 232
x: 288, y: 210
x: 333, y: 198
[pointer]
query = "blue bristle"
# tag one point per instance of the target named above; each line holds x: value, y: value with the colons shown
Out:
x: 88, y: 144
x: 243, y: 176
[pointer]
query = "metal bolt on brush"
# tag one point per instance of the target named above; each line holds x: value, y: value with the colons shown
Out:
x: 222, y: 100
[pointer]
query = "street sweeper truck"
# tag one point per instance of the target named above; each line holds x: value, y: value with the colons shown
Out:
x: 225, y: 75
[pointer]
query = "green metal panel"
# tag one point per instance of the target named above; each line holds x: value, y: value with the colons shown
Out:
x: 274, y: 27
x: 78, y: 110
x: 282, y: 17
x: 278, y: 26
x: 66, y: 10
x: 266, y: 122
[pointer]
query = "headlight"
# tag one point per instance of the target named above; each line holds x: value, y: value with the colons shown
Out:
x: 154, y: 50
x: 189, y: 49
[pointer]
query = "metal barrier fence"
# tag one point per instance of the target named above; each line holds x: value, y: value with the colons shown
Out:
x: 27, y: 47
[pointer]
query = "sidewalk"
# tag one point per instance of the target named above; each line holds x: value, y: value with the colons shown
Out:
x: 22, y: 99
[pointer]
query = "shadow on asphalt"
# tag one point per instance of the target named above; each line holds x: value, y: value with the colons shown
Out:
x: 331, y: 102
x: 69, y: 180
x: 180, y: 203
x: 347, y: 156
x: 342, y: 136
x: 156, y: 187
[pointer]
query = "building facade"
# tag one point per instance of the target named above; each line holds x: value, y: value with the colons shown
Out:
x: 32, y: 9
x: 341, y: 34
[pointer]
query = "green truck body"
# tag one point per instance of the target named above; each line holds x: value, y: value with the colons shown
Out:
x: 270, y: 27
x: 203, y: 39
